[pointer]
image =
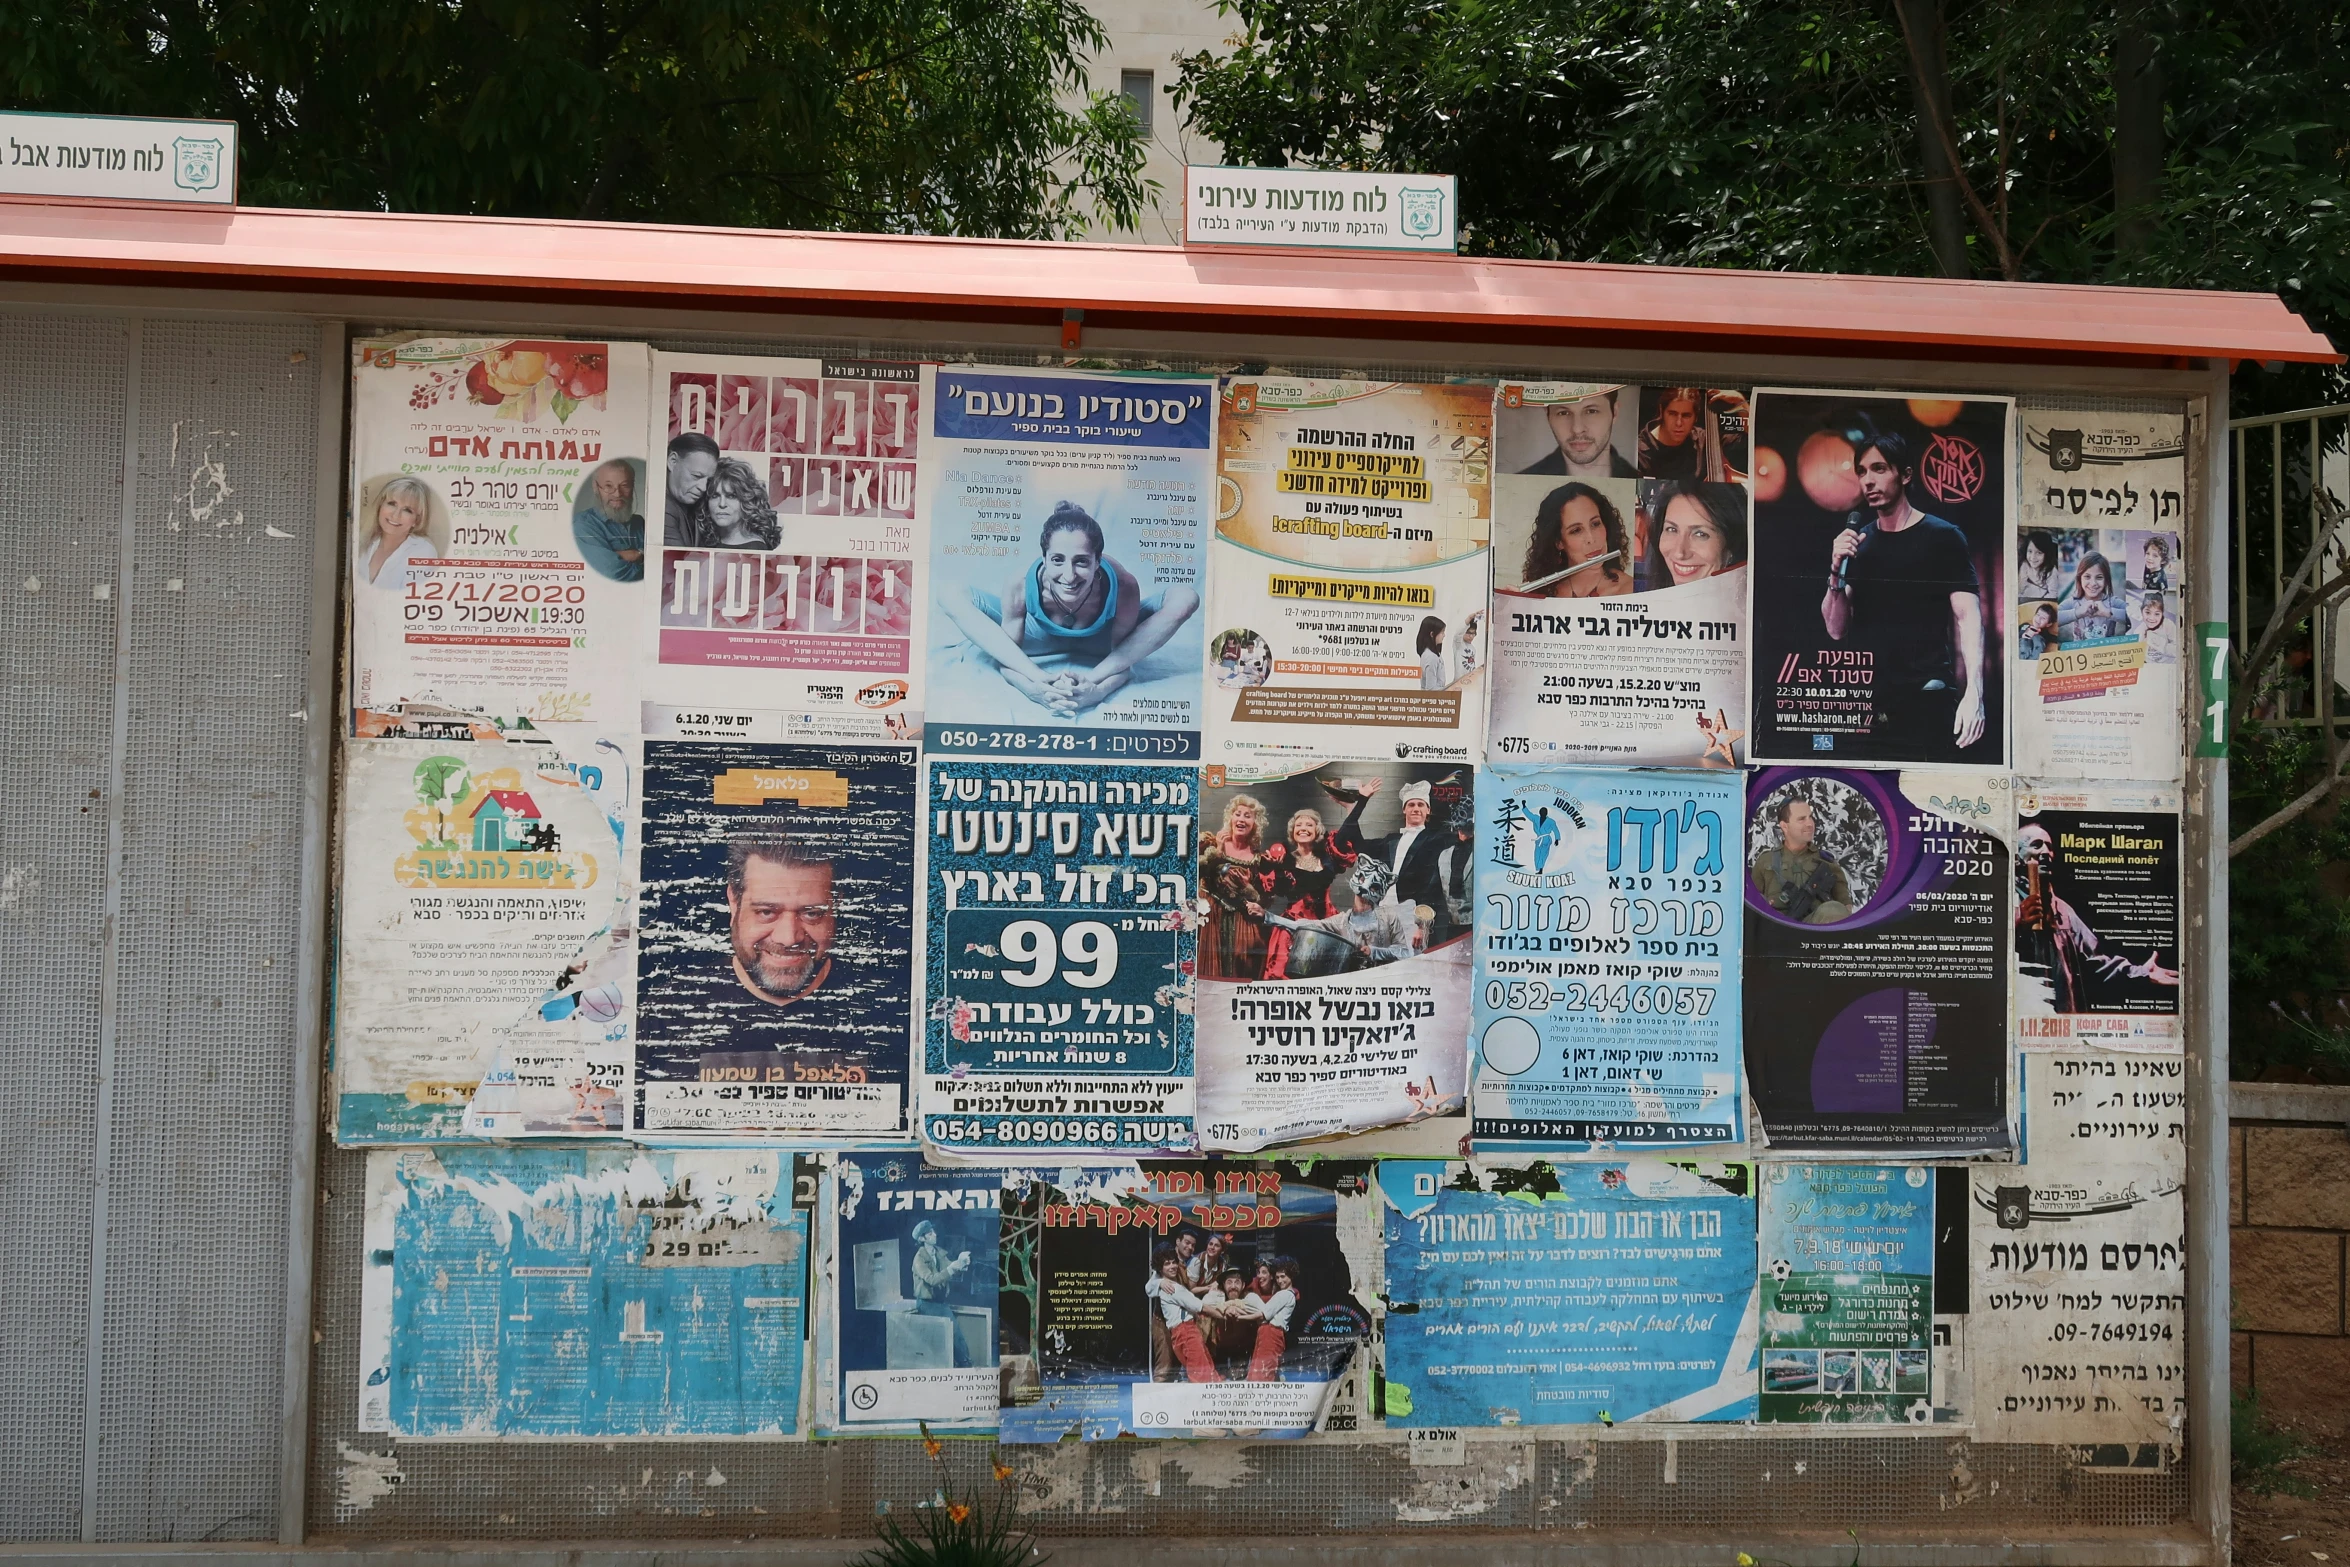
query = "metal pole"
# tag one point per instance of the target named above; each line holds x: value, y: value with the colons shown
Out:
x: 2206, y: 1016
x: 2243, y: 524
x: 110, y: 966
x: 322, y: 706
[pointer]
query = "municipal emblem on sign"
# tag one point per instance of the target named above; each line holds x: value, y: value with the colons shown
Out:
x: 198, y: 163
x: 1423, y: 212
x: 2064, y: 450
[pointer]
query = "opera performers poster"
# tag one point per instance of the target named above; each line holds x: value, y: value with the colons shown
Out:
x: 776, y: 941
x: 2097, y: 956
x: 1876, y: 960
x: 1349, y: 609
x: 1189, y: 1300
x: 909, y: 1306
x: 483, y: 965
x: 1607, y: 982
x: 1620, y: 523
x: 497, y: 536
x: 2100, y: 586
x: 788, y: 570
x: 1569, y: 1294
x: 1847, y: 1293
x: 1069, y: 527
x: 1334, y: 949
x: 1881, y: 540
x: 579, y: 1293
x: 1056, y: 999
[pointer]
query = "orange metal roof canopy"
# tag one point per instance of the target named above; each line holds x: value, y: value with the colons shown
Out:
x: 1133, y: 285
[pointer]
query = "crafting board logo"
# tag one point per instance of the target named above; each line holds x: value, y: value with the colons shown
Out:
x: 1422, y: 210
x: 1952, y: 469
x: 2064, y: 450
x: 197, y: 163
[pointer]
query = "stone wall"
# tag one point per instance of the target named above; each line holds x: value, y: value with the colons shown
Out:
x: 2289, y: 1244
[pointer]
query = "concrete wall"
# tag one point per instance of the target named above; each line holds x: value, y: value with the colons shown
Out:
x: 2289, y: 1212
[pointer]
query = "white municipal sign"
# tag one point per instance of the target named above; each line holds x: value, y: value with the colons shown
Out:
x: 1305, y: 208
x: 108, y: 157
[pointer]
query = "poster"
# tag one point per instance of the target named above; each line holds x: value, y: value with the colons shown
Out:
x: 484, y: 947
x: 1069, y: 532
x: 1876, y: 960
x: 2100, y: 586
x: 1056, y: 998
x: 583, y: 1293
x: 1333, y: 950
x: 1881, y: 542
x: 497, y: 534
x: 787, y: 602
x: 1620, y: 523
x: 1607, y: 982
x: 2097, y: 916
x: 2079, y: 1331
x: 1352, y: 582
x: 911, y: 1306
x: 1189, y: 1300
x: 1847, y: 1293
x: 1569, y: 1294
x: 777, y: 962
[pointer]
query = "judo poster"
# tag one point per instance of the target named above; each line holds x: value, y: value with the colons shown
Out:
x: 776, y: 941
x: 911, y: 1305
x: 483, y: 988
x: 1348, y: 615
x: 1069, y: 529
x: 1191, y: 1300
x: 1607, y: 981
x: 1333, y: 950
x: 1847, y: 1293
x: 2079, y: 1258
x: 1056, y: 1010
x: 788, y: 569
x: 1876, y: 960
x: 1619, y: 585
x: 583, y: 1294
x: 2100, y: 585
x: 1882, y: 529
x: 2097, y: 916
x: 497, y: 536
x: 1569, y: 1294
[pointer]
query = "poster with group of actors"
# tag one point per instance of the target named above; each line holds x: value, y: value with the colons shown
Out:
x: 1188, y: 1300
x: 1562, y: 1294
x: 1619, y: 574
x: 2100, y: 586
x: 788, y: 571
x: 776, y: 935
x: 1056, y: 999
x: 1069, y: 529
x: 1351, y: 581
x: 497, y: 544
x: 1333, y: 950
x: 1877, y: 960
x: 1608, y: 961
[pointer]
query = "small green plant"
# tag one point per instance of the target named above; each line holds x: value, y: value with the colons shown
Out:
x: 2258, y: 1450
x: 1853, y: 1535
x: 956, y: 1530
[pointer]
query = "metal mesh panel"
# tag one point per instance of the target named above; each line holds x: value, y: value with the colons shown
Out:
x: 1736, y: 1488
x: 62, y: 384
x: 218, y: 651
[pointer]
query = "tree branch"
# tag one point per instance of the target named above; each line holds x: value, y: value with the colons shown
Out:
x: 1992, y: 230
x: 2300, y: 806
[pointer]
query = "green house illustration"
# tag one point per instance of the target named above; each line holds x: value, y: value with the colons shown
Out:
x: 507, y: 822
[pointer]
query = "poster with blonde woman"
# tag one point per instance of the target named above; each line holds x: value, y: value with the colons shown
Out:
x: 1334, y: 914
x: 497, y: 534
x: 1619, y: 583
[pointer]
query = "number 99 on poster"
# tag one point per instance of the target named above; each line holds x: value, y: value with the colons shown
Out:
x: 1059, y: 987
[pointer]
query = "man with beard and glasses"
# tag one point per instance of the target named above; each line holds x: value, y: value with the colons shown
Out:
x: 781, y: 916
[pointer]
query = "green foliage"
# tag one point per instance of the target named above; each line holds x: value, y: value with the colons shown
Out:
x: 1786, y: 135
x: 957, y: 1530
x: 2288, y: 929
x: 929, y: 116
x: 2258, y: 1450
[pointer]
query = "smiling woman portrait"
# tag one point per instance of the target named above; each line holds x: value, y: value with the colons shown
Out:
x: 399, y: 523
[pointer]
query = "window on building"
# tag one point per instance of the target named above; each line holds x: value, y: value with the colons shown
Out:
x: 1135, y: 88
